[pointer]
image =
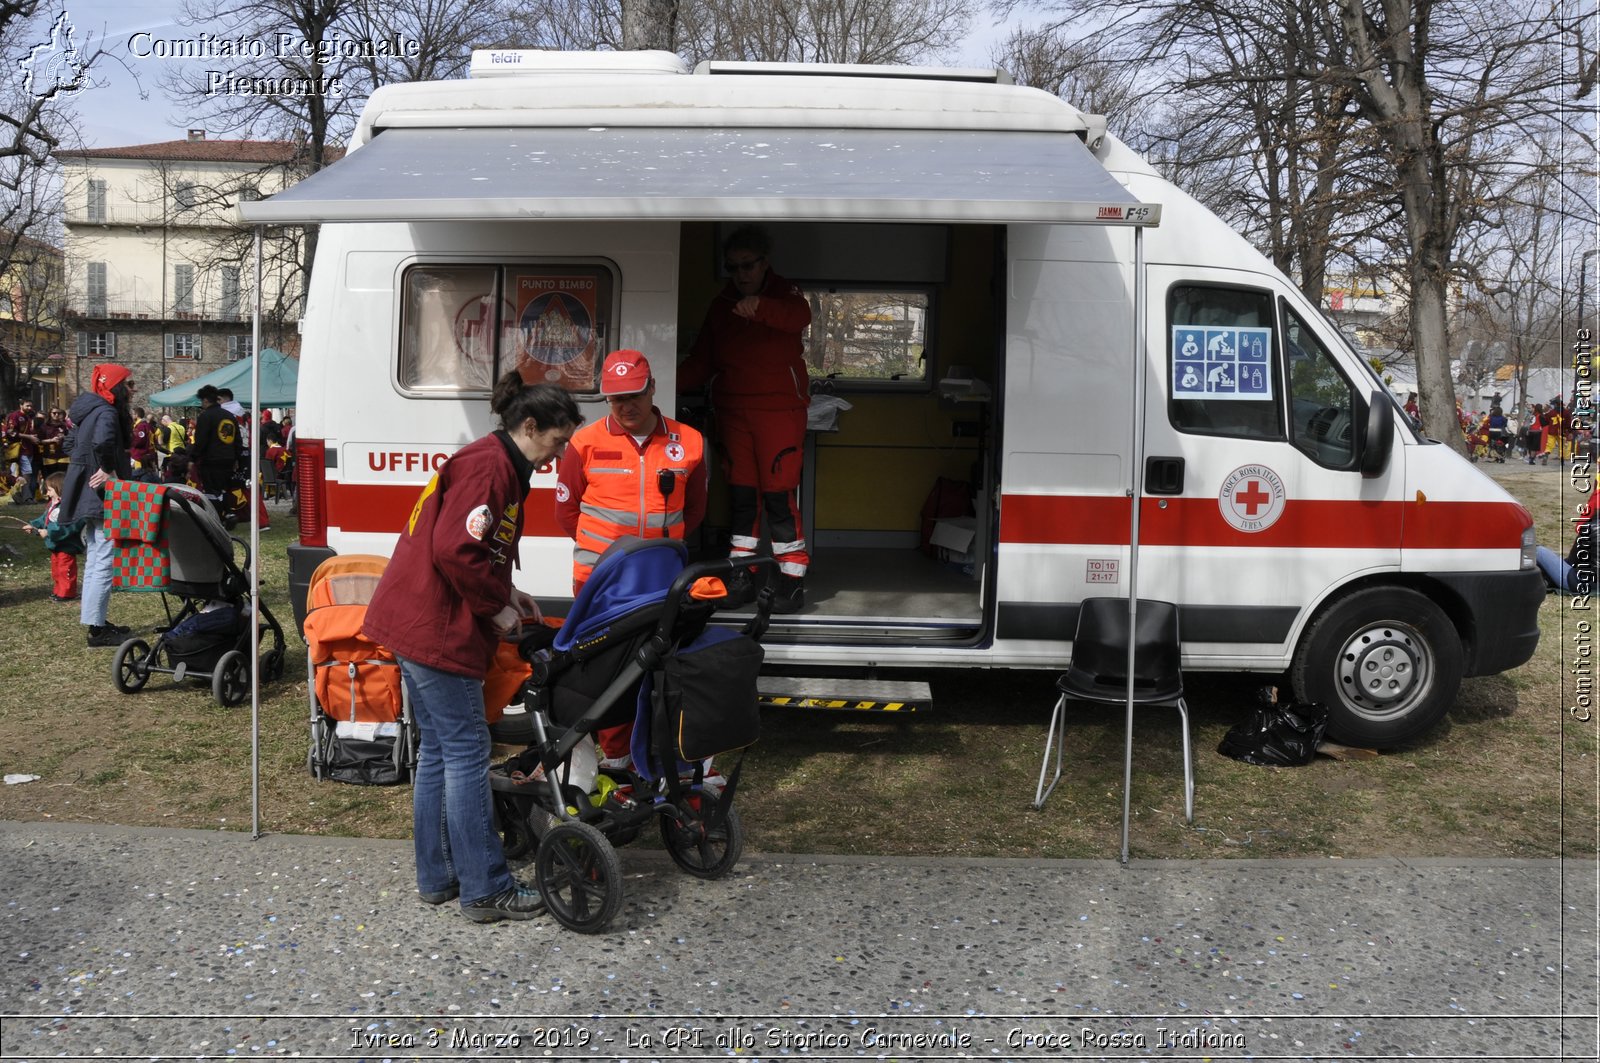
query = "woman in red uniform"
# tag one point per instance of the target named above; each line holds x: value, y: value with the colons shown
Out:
x: 444, y: 602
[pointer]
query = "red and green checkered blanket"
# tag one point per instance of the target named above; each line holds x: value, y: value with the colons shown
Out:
x: 135, y: 515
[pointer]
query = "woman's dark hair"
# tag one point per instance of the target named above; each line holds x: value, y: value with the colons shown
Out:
x: 549, y: 406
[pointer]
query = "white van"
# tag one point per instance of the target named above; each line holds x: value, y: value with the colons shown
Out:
x: 998, y: 286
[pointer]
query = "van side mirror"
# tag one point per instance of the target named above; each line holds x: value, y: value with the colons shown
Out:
x: 1377, y: 438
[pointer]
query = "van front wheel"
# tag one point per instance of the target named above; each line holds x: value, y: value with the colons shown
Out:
x: 1386, y: 661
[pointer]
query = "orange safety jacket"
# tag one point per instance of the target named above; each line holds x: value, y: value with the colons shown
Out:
x: 609, y: 486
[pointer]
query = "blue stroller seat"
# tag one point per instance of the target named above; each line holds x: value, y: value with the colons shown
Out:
x: 637, y: 645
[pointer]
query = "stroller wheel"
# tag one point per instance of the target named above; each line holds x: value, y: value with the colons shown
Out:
x: 230, y: 679
x: 579, y: 876
x: 704, y: 853
x: 513, y: 818
x: 129, y: 669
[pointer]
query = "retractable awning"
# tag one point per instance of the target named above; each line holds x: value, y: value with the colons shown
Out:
x: 903, y: 175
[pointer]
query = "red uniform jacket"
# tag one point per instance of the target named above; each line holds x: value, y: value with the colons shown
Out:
x: 754, y: 364
x: 451, y: 570
x: 609, y: 486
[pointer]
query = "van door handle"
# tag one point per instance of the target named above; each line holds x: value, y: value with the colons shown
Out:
x: 1163, y: 476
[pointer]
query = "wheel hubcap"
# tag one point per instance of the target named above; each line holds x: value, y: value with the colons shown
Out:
x: 1382, y: 669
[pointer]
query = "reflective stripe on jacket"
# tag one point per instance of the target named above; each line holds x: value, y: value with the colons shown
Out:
x: 609, y: 486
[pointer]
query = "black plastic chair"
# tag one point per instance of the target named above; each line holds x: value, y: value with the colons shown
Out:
x: 1098, y: 673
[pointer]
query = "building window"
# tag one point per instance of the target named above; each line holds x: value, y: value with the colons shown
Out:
x: 240, y: 347
x: 184, y: 197
x: 230, y: 293
x: 869, y: 337
x: 95, y: 290
x: 96, y: 205
x: 183, y: 289
x: 97, y: 346
x: 183, y: 346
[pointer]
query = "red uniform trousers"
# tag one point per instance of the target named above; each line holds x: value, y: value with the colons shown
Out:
x: 63, y: 574
x: 764, y: 453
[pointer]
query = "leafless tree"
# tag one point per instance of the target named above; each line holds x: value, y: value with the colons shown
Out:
x: 650, y: 24
x: 1420, y: 108
x: 435, y: 37
x: 816, y: 31
x: 1049, y: 57
x: 35, y: 119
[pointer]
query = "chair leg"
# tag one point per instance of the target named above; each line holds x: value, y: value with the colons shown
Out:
x: 1188, y: 762
x: 1056, y: 736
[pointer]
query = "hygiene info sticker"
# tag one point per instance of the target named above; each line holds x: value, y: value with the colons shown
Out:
x: 1222, y: 363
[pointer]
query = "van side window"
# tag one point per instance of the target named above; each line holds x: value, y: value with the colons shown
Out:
x: 1223, y: 374
x: 462, y: 326
x: 869, y: 337
x: 447, y: 327
x: 1325, y: 406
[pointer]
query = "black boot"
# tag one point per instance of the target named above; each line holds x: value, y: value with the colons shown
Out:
x: 791, y: 595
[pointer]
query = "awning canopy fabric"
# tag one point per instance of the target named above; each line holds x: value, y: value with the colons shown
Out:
x: 279, y: 377
x: 894, y: 175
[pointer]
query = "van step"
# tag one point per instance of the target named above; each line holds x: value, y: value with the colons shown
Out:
x: 846, y: 695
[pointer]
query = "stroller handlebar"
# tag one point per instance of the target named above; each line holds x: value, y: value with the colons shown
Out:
x: 722, y: 568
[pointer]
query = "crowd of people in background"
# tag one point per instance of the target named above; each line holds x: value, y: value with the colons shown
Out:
x: 1547, y: 431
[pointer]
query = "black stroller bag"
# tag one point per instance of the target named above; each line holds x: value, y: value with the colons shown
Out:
x: 199, y: 641
x: 708, y: 692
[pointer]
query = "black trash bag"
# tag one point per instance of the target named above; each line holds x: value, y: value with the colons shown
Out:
x: 1277, y: 734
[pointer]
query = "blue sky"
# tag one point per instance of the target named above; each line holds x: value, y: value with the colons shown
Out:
x: 114, y: 114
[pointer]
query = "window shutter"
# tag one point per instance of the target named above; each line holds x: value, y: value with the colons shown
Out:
x: 83, y: 345
x: 168, y: 340
x: 111, y: 345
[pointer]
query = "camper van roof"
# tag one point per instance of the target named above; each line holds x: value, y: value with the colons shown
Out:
x: 581, y: 144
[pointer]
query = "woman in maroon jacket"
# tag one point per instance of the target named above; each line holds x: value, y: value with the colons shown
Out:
x: 442, y: 605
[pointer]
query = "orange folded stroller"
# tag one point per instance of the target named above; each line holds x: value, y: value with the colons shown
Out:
x: 362, y: 730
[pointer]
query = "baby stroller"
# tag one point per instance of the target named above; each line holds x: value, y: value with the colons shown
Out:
x: 361, y: 726
x: 170, y: 539
x: 637, y: 646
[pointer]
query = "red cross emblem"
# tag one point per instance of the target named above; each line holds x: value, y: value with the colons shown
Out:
x: 1252, y: 498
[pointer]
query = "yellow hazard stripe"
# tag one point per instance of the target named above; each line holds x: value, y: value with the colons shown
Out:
x: 785, y: 702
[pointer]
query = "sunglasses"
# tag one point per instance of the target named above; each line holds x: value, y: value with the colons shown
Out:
x: 742, y: 267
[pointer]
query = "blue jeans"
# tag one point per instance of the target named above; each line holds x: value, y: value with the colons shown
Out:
x: 97, y: 558
x: 1557, y: 569
x: 452, y: 810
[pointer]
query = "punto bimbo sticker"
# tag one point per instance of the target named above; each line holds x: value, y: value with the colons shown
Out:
x: 1222, y: 363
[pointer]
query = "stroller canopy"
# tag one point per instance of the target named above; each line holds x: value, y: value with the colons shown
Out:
x: 632, y: 573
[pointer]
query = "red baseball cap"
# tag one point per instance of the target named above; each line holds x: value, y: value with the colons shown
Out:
x: 624, y: 373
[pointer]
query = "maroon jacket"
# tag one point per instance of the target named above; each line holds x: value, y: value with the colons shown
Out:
x: 756, y: 364
x: 451, y: 570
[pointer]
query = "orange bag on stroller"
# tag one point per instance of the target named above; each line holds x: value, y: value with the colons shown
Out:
x: 361, y: 725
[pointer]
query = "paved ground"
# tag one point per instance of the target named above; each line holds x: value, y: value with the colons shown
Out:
x: 179, y: 944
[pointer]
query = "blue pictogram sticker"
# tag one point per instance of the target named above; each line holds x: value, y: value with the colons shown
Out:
x: 1221, y: 363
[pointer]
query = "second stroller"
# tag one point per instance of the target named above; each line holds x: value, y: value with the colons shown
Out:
x: 637, y: 646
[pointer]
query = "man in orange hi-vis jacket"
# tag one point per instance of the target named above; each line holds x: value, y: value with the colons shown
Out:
x: 750, y: 351
x: 633, y: 472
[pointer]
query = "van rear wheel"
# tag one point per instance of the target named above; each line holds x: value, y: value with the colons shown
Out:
x: 1386, y: 661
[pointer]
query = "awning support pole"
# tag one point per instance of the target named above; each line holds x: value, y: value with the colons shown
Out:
x: 1137, y: 493
x: 255, y: 550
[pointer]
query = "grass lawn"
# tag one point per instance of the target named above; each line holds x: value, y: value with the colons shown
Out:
x: 1511, y: 772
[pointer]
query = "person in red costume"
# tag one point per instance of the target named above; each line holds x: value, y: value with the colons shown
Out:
x: 749, y: 350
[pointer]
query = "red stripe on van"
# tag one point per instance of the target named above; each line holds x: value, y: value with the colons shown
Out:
x: 387, y: 507
x: 1305, y: 523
